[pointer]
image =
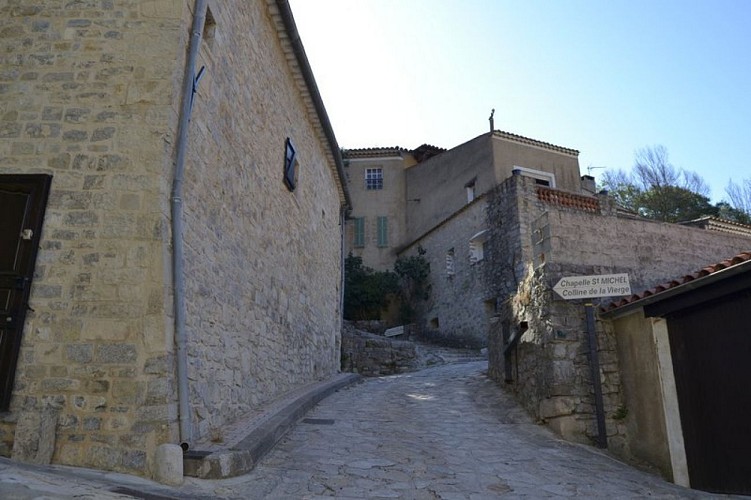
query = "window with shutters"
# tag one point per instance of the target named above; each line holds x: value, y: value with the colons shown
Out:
x: 359, y: 237
x: 383, y: 232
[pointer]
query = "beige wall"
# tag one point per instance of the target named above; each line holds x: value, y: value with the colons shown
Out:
x: 646, y: 436
x: 370, y: 204
x: 91, y: 96
x: 564, y: 164
x: 439, y: 183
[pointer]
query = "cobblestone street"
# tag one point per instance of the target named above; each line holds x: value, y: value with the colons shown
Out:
x: 446, y: 432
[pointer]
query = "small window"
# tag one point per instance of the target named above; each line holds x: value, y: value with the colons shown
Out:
x: 373, y: 178
x: 290, y: 165
x: 359, y: 239
x: 450, y: 270
x: 383, y: 231
x: 470, y: 188
x: 541, y: 177
x: 477, y: 247
x: 434, y: 323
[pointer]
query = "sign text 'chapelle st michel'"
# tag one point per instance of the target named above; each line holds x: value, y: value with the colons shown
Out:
x: 587, y: 287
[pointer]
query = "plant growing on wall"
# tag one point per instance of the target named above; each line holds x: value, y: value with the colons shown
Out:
x: 413, y: 273
x: 366, y: 292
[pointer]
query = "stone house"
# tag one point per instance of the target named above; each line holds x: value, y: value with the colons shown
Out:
x: 173, y: 250
x: 683, y: 351
x: 436, y: 199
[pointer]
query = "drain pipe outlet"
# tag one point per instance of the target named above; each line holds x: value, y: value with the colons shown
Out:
x: 178, y: 282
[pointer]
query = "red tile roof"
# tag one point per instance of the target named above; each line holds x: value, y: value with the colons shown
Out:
x: 566, y: 199
x: 706, y: 271
x: 534, y: 142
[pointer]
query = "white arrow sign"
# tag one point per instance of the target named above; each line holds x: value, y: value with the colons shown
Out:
x: 587, y: 287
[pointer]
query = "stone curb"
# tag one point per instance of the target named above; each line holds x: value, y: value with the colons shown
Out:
x: 243, y: 456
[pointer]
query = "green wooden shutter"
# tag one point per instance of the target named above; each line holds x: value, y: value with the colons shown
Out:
x: 383, y: 232
x: 359, y: 232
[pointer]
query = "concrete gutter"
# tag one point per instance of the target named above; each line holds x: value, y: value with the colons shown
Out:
x: 262, y: 435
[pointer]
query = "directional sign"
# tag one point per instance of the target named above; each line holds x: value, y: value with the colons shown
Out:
x: 587, y: 287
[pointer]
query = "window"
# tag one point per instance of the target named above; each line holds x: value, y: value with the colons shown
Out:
x: 541, y: 177
x: 470, y: 188
x: 450, y: 270
x: 373, y: 178
x: 359, y: 232
x: 383, y: 231
x: 290, y: 165
x: 477, y: 246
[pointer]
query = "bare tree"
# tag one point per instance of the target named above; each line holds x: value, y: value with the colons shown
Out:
x: 740, y: 195
x: 653, y: 170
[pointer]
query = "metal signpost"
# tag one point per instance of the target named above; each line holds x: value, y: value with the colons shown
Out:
x: 589, y: 287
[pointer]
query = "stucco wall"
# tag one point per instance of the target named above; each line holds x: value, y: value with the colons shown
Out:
x: 439, y: 183
x: 508, y: 154
x: 89, y: 94
x: 642, y: 396
x: 370, y: 204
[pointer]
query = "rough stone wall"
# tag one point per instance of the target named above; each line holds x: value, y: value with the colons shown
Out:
x: 88, y: 95
x: 532, y: 245
x: 374, y: 355
x: 262, y: 264
x: 89, y: 92
x: 457, y: 300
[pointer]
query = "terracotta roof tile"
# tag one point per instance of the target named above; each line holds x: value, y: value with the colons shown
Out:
x: 566, y: 199
x: 534, y: 142
x: 701, y: 273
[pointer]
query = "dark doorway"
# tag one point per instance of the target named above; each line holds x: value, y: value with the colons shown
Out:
x: 23, y: 199
x: 711, y: 349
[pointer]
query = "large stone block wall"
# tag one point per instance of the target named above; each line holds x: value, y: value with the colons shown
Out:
x: 458, y: 301
x: 88, y: 95
x: 262, y: 264
x: 532, y: 245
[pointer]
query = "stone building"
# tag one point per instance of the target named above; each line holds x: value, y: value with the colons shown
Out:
x: 189, y: 258
x: 436, y: 199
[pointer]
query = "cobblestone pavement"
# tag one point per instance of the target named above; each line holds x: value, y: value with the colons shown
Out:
x: 442, y: 433
x: 446, y: 432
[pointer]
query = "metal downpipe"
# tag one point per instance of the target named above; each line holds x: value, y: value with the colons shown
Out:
x: 178, y: 282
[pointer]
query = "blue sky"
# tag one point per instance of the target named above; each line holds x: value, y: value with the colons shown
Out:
x: 603, y: 77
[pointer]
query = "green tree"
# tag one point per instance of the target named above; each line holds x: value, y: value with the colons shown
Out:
x: 366, y: 292
x: 413, y: 273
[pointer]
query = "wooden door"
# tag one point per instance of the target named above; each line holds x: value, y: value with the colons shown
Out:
x: 23, y: 199
x: 711, y: 348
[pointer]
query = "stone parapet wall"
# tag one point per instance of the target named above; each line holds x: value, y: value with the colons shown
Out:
x: 374, y: 355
